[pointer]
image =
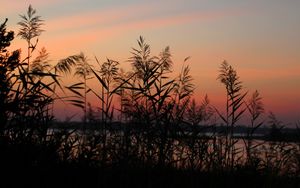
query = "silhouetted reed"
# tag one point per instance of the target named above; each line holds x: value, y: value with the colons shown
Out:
x: 148, y: 120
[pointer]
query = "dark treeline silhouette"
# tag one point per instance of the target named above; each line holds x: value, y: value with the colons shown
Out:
x: 148, y: 132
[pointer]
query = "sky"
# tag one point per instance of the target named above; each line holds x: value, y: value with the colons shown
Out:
x: 259, y: 38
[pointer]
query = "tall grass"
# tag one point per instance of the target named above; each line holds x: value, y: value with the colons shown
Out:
x: 161, y: 122
x: 160, y: 125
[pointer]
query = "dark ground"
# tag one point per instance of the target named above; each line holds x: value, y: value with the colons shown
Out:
x: 75, y: 176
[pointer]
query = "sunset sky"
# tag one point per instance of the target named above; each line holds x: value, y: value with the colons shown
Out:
x: 260, y: 38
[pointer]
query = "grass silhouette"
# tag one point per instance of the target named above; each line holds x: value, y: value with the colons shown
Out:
x: 159, y: 140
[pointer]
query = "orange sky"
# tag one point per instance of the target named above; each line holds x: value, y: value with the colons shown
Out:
x: 260, y: 39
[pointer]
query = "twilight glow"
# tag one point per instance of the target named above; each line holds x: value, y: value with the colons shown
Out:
x: 259, y: 38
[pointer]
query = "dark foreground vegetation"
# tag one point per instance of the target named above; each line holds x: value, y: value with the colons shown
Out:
x: 147, y: 131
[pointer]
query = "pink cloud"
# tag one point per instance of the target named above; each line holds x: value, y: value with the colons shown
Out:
x: 43, y: 3
x: 88, y: 28
x: 96, y: 18
x: 270, y: 73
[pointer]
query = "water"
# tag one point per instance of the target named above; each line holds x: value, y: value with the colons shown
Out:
x: 180, y: 152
